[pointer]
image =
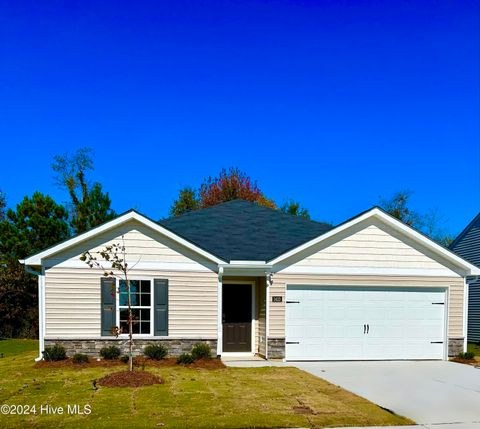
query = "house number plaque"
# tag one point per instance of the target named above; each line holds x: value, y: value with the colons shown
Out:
x: 277, y: 299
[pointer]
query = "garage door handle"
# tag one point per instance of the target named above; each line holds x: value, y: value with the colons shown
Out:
x: 364, y: 329
x: 368, y: 328
x: 292, y: 342
x: 436, y: 342
x: 293, y: 302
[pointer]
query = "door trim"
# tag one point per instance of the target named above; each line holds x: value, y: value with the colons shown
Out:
x: 253, y: 283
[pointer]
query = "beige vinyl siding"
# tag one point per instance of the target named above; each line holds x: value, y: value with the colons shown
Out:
x: 142, y: 246
x: 262, y: 321
x: 371, y: 245
x: 72, y: 302
x: 455, y: 285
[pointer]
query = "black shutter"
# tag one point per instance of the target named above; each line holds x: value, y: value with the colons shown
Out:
x: 160, y: 314
x: 109, y: 295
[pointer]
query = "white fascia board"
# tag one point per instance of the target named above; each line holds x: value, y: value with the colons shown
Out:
x: 36, y: 260
x: 395, y: 224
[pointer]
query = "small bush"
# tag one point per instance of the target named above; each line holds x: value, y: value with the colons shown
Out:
x: 110, y: 352
x: 201, y: 351
x: 80, y: 358
x: 185, y: 359
x: 155, y: 351
x: 125, y: 358
x: 54, y: 353
x: 466, y: 355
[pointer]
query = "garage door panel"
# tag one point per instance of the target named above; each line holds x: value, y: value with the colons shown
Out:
x: 328, y: 323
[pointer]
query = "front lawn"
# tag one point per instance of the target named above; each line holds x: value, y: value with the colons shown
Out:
x: 190, y: 398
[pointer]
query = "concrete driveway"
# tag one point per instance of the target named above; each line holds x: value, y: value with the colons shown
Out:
x: 428, y: 392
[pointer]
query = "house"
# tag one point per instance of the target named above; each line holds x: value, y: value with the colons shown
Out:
x: 467, y: 245
x: 248, y: 279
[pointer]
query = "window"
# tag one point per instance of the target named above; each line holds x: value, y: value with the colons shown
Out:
x: 141, y: 301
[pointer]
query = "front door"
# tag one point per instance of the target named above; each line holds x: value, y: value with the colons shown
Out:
x: 237, y: 317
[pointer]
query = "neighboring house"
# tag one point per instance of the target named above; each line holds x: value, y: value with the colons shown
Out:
x: 248, y: 279
x: 467, y: 245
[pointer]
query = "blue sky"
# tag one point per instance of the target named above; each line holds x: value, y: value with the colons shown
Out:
x: 333, y: 103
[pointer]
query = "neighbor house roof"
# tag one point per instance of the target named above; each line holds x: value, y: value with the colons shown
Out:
x: 467, y: 244
x: 242, y: 230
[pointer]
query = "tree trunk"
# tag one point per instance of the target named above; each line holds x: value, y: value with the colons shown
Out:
x: 130, y: 326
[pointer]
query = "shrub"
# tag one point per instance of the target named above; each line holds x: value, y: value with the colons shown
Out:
x: 185, y: 359
x: 201, y: 351
x: 110, y: 352
x: 125, y: 358
x: 155, y: 351
x: 466, y: 355
x: 56, y: 352
x: 80, y: 358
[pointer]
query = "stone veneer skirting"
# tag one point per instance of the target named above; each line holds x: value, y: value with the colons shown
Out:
x: 91, y: 347
x: 455, y: 346
x: 276, y: 348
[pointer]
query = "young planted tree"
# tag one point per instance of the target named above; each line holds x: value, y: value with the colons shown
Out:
x: 113, y: 263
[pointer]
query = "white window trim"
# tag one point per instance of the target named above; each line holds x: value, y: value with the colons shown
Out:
x: 117, y: 306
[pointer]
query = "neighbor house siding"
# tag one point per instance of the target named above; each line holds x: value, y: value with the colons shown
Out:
x: 474, y: 312
x: 455, y: 285
x: 72, y: 302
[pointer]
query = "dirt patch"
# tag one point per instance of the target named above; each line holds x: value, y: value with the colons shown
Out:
x: 302, y: 409
x: 129, y: 379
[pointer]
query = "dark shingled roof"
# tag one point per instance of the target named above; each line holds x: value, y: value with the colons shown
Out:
x: 242, y: 230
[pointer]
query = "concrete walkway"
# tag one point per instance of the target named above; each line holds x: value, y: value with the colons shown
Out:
x: 435, y: 394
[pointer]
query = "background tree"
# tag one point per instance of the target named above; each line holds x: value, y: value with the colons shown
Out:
x: 231, y: 185
x: 398, y: 206
x: 186, y: 202
x: 294, y: 208
x: 36, y: 223
x: 429, y: 223
x: 90, y: 205
x: 228, y: 185
x: 3, y: 205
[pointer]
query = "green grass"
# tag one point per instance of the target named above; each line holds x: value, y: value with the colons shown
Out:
x: 14, y: 347
x: 225, y: 398
x: 475, y: 348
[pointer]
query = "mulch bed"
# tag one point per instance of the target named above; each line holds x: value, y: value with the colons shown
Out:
x: 138, y: 361
x: 472, y: 362
x: 129, y: 379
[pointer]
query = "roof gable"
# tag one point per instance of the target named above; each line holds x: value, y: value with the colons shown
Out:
x: 36, y: 260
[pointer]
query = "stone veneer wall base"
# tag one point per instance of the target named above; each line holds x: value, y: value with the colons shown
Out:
x: 92, y: 347
x: 455, y: 346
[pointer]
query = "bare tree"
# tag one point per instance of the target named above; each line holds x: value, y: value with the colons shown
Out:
x: 115, y: 256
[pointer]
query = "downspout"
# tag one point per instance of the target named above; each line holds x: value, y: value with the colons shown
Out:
x: 219, y: 312
x: 41, y: 312
x: 465, y: 308
x: 465, y: 314
x: 268, y: 278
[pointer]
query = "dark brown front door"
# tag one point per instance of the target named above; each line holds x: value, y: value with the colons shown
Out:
x: 237, y: 317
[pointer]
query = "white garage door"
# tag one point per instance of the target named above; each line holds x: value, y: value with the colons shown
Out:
x: 332, y: 323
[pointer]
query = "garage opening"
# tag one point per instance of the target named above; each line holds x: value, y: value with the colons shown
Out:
x: 365, y: 323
